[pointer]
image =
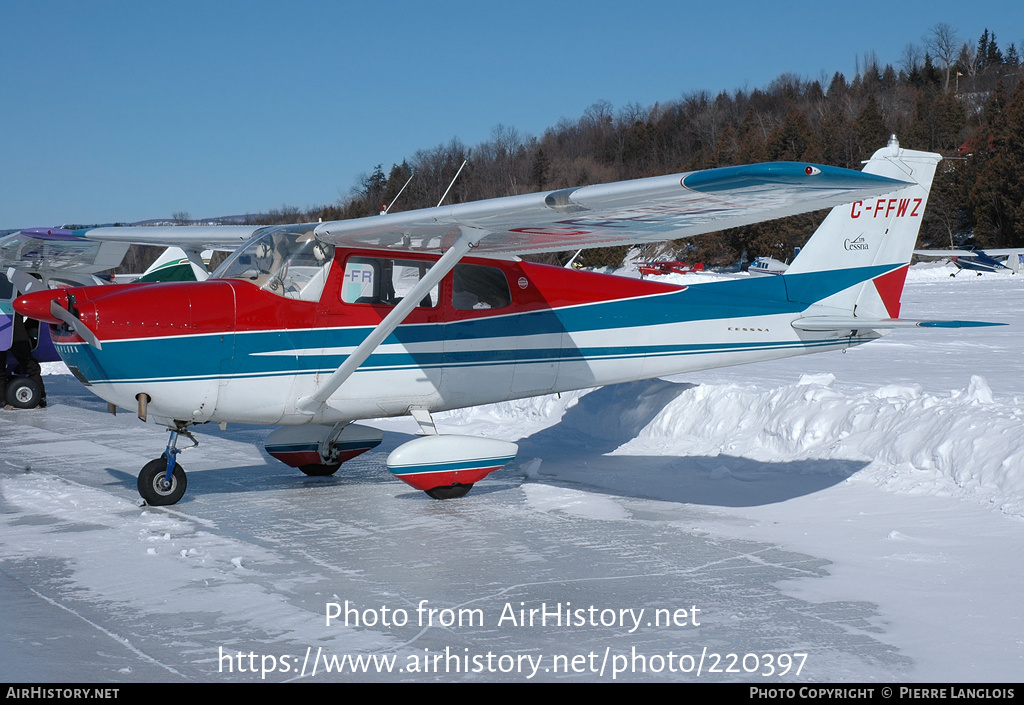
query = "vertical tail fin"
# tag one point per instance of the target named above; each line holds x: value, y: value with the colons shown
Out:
x: 876, y: 237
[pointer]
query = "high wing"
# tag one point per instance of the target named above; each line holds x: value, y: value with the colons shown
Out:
x: 78, y: 260
x: 945, y: 253
x: 197, y: 237
x: 642, y: 210
x: 626, y: 212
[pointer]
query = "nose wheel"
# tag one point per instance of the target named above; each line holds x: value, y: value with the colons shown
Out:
x: 154, y: 486
x: 162, y: 482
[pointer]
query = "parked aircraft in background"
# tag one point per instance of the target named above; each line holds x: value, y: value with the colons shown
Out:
x: 318, y: 325
x: 175, y: 265
x: 767, y: 265
x: 1010, y: 260
x: 21, y: 390
x: 42, y: 264
x: 673, y: 267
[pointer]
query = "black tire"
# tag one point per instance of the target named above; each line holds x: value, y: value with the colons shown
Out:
x: 24, y: 393
x: 320, y: 470
x: 151, y: 483
x: 450, y: 492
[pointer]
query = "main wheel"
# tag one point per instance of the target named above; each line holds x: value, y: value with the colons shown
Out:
x: 24, y: 393
x: 153, y: 488
x: 450, y: 492
x: 320, y: 470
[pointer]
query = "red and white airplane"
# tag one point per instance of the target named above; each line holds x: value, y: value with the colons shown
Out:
x: 315, y: 326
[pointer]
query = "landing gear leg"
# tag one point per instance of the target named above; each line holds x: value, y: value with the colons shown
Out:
x: 162, y: 481
x: 329, y: 454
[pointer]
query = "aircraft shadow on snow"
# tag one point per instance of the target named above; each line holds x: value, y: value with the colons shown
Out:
x: 576, y: 450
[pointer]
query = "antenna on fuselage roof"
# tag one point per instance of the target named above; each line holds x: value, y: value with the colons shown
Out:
x: 384, y: 211
x: 464, y: 162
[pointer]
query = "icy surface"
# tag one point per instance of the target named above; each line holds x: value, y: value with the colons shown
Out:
x: 864, y: 509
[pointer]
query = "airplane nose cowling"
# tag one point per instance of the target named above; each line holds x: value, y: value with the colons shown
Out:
x: 37, y: 304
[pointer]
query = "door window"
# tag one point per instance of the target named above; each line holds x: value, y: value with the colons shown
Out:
x: 384, y: 281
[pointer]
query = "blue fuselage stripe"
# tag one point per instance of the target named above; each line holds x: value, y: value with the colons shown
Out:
x: 434, y: 345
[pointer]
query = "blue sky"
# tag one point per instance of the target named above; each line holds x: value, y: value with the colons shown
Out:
x: 131, y: 110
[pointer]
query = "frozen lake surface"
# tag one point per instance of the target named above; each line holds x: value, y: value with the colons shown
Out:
x: 834, y: 517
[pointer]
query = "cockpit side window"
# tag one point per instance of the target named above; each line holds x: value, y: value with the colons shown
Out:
x: 384, y: 281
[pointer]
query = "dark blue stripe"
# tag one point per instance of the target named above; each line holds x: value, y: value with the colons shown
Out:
x: 451, y: 467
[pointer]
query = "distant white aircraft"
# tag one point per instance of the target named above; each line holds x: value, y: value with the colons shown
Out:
x: 1009, y: 260
x: 767, y: 265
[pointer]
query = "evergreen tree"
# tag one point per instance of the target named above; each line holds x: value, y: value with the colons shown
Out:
x: 540, y: 170
x: 993, y: 57
x: 983, y: 50
x: 998, y: 194
x: 373, y: 186
x: 871, y: 131
x: 1012, y: 60
x: 791, y: 140
x: 930, y: 76
x: 397, y: 178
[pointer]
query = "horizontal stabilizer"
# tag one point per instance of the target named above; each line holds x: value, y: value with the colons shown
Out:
x: 835, y: 323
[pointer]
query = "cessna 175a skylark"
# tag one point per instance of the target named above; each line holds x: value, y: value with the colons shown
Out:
x: 1009, y: 260
x: 315, y: 326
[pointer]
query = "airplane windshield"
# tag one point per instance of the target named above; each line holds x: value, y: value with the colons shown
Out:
x: 288, y: 261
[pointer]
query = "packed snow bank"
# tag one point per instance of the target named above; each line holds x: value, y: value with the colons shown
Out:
x: 965, y: 443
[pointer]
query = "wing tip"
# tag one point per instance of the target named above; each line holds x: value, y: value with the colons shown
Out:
x: 816, y: 176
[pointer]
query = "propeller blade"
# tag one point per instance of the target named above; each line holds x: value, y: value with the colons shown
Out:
x: 23, y: 281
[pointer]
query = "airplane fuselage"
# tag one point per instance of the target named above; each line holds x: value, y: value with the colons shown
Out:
x: 225, y: 350
x: 980, y: 262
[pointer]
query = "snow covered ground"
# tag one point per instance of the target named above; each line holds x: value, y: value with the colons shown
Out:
x: 834, y: 517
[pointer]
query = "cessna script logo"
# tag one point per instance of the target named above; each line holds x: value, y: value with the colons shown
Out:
x: 856, y: 244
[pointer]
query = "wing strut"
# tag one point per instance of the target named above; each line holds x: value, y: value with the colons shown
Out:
x: 467, y: 240
x: 196, y: 258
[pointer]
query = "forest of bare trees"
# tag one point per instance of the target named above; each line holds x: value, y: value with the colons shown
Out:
x: 963, y: 99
